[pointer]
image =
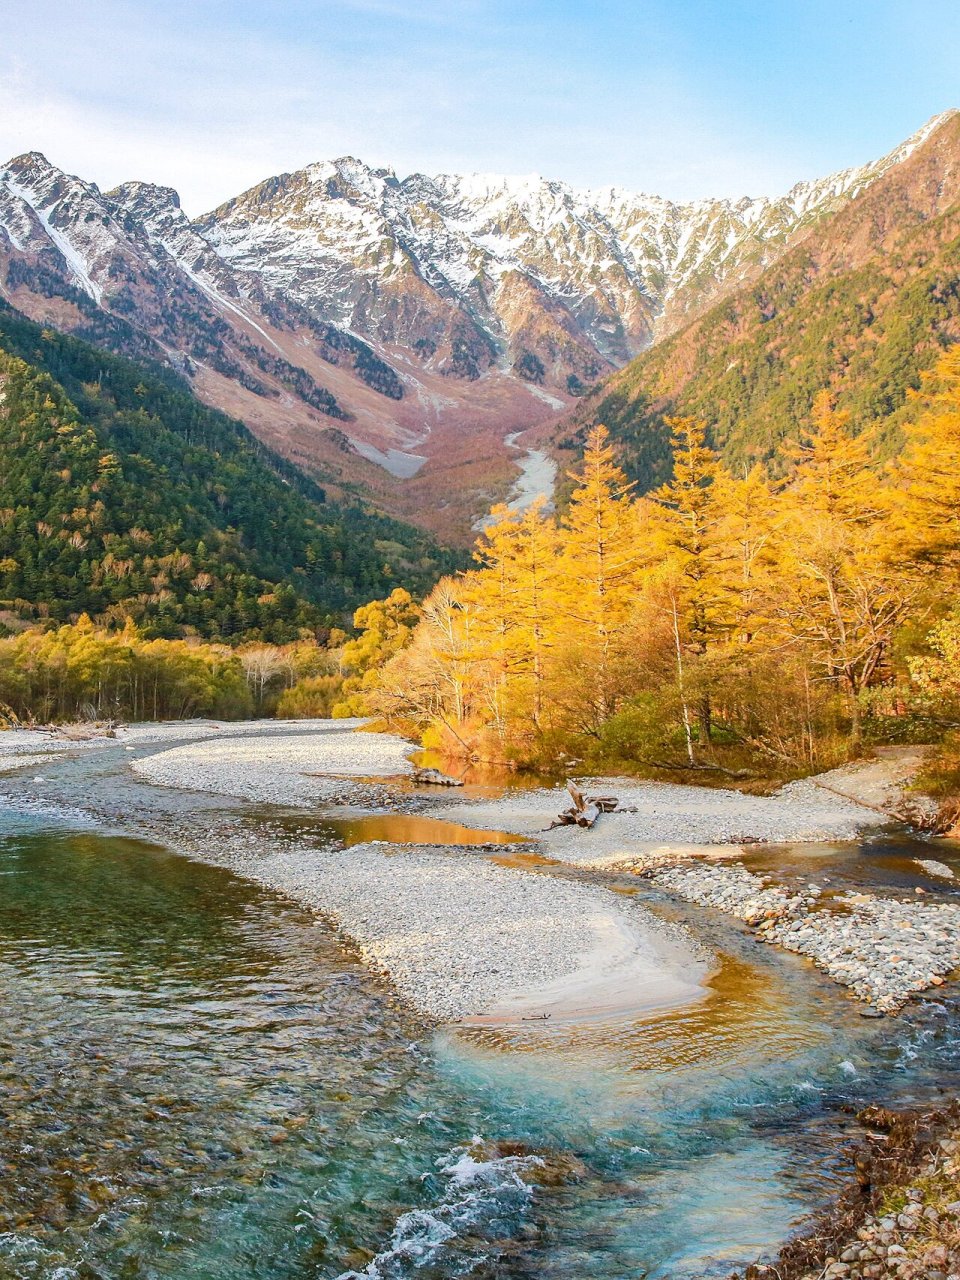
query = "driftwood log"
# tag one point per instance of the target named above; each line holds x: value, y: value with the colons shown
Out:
x: 434, y: 778
x: 585, y: 810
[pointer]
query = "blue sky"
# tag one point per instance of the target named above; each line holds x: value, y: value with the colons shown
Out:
x: 684, y: 98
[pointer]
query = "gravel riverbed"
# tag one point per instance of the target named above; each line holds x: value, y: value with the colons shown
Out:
x: 458, y: 936
x: 281, y: 765
x: 662, y: 816
x: 682, y: 838
x: 461, y: 938
x: 882, y: 949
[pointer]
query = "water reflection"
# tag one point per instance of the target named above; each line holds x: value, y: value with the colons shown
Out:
x: 888, y: 862
x: 482, y: 780
x: 390, y: 828
x: 749, y: 1017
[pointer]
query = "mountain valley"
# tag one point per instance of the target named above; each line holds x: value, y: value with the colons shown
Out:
x: 387, y: 335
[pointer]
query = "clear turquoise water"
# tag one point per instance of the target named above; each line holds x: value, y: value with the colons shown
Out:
x: 197, y: 1081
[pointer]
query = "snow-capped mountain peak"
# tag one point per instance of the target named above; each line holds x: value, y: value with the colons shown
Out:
x: 468, y: 271
x: 603, y: 272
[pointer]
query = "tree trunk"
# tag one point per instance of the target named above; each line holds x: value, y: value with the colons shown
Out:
x: 856, y: 719
x: 688, y: 733
x: 704, y: 720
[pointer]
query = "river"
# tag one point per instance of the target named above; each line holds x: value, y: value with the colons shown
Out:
x: 200, y: 1080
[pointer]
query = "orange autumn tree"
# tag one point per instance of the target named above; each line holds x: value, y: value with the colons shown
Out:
x: 839, y: 594
x: 384, y: 627
x: 432, y: 681
x: 927, y: 474
x: 720, y: 612
x: 692, y: 561
x: 514, y: 596
x: 601, y: 559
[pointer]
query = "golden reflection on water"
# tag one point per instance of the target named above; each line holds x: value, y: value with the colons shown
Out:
x: 409, y: 828
x: 524, y: 859
x: 745, y: 1006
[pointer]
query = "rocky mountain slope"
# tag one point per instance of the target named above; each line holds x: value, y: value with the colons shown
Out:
x: 386, y: 334
x: 122, y: 495
x: 862, y: 307
x: 469, y: 271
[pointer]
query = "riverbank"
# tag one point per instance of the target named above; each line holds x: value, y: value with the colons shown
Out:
x: 689, y: 842
x: 295, y: 762
x: 20, y: 748
x: 900, y: 1216
x: 883, y: 950
x: 460, y: 938
x: 657, y: 822
x: 464, y: 940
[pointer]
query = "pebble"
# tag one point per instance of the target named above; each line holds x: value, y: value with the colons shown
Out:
x: 919, y: 1243
x: 935, y: 868
x: 883, y: 949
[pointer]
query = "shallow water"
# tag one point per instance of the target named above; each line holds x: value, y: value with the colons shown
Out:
x: 392, y: 828
x: 885, y: 862
x: 199, y: 1081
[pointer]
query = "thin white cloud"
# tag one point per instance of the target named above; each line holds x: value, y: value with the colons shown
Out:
x: 211, y: 97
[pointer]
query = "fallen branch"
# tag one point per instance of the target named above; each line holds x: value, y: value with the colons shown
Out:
x: 585, y: 809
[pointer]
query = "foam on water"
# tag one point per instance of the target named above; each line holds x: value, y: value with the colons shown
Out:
x: 480, y: 1197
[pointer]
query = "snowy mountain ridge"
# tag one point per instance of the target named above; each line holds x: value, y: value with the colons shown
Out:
x: 465, y: 271
x: 605, y: 271
x: 377, y: 329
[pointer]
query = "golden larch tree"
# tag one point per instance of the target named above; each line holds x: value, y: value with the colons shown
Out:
x: 601, y: 556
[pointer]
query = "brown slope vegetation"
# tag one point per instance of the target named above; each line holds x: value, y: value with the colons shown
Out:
x: 863, y: 305
x: 268, y: 369
x: 458, y: 426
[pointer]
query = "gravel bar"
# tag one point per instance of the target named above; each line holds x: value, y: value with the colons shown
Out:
x: 461, y: 938
x: 884, y: 950
x: 660, y: 815
x: 278, y: 767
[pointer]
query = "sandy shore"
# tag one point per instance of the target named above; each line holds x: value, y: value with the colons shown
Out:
x: 635, y: 967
